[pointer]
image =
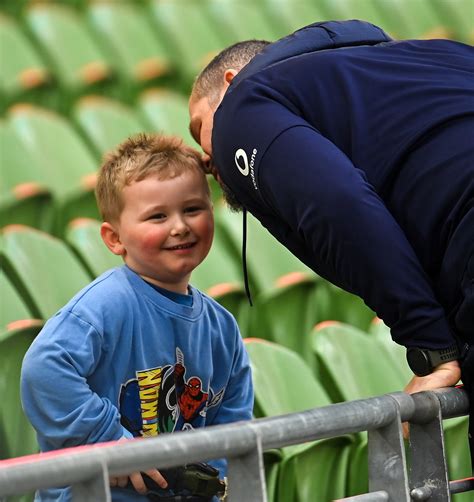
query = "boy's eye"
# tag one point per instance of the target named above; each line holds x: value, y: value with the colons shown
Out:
x: 157, y: 216
x: 192, y: 209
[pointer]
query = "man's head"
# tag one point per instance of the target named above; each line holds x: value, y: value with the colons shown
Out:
x: 210, y: 86
x: 207, y: 93
x: 155, y: 202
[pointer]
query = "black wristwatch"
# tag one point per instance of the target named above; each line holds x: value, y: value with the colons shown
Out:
x: 422, y: 361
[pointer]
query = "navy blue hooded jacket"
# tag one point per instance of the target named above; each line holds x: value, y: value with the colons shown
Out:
x: 357, y: 153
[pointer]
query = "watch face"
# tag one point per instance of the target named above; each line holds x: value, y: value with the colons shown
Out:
x: 418, y: 361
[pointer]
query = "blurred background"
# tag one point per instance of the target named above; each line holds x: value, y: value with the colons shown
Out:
x: 79, y: 76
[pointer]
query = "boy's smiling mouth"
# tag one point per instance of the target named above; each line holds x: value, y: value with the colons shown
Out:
x: 186, y: 245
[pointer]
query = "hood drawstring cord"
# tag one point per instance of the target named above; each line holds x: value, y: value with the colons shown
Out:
x: 244, y: 256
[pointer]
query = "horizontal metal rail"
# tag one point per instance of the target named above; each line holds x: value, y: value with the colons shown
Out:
x: 241, y: 443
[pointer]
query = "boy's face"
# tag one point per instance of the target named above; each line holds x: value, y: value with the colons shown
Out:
x: 165, y: 230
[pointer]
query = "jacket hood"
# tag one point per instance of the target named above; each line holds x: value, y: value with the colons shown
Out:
x: 315, y: 37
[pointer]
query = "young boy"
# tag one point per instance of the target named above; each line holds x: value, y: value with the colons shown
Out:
x: 139, y: 351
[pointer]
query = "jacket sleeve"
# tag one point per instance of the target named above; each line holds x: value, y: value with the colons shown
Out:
x: 326, y: 207
x: 55, y: 394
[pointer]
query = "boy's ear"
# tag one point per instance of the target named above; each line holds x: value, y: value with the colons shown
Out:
x: 111, y: 238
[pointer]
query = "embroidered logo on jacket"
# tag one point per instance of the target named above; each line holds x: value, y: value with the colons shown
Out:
x: 243, y: 165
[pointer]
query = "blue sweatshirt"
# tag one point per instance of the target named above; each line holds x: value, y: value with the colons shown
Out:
x: 121, y: 359
x: 357, y: 153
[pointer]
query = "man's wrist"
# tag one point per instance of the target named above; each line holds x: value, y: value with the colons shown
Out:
x: 423, y: 361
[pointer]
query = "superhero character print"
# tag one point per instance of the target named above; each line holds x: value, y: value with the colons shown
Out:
x: 163, y: 399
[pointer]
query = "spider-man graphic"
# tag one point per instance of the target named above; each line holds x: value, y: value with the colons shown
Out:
x: 191, y: 399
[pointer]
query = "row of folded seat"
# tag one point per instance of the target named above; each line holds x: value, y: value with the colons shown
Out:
x: 52, y: 52
x: 49, y: 162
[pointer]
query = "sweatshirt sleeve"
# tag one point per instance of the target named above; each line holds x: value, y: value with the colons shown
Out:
x: 237, y: 403
x: 55, y: 394
x: 348, y: 235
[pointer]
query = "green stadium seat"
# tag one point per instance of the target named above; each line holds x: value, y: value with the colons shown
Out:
x: 23, y: 197
x: 228, y: 16
x: 338, y: 305
x: 220, y: 277
x: 83, y: 236
x: 343, y: 352
x: 141, y: 62
x: 334, y: 9
x: 105, y: 122
x: 14, y: 9
x: 267, y: 259
x: 189, y: 35
x: 457, y: 16
x: 283, y: 383
x: 76, y: 59
x: 166, y: 111
x: 62, y: 161
x: 352, y: 365
x: 23, y: 74
x: 405, y: 19
x: 41, y: 268
x: 13, y: 309
x: 351, y: 9
x: 18, y: 436
x: 290, y: 15
x: 381, y: 332
x: 287, y: 313
x: 17, y: 330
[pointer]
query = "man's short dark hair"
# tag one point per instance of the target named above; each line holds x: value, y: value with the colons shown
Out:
x: 236, y: 56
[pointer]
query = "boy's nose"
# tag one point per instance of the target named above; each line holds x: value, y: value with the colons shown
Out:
x: 179, y: 227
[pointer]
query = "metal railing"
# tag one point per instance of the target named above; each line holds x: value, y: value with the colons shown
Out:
x: 87, y: 468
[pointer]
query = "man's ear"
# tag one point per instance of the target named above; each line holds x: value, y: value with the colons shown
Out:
x: 229, y: 75
x: 111, y: 238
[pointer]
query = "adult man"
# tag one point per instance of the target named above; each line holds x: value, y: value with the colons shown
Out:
x: 357, y: 153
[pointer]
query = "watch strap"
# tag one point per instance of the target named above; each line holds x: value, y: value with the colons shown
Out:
x: 441, y: 356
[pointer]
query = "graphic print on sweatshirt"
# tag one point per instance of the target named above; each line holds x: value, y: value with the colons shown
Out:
x: 165, y: 399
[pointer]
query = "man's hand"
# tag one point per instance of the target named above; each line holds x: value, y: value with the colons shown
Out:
x: 136, y: 478
x: 444, y: 375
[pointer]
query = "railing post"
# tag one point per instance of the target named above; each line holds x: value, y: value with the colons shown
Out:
x: 246, y: 475
x: 387, y: 462
x: 428, y: 469
x: 94, y: 488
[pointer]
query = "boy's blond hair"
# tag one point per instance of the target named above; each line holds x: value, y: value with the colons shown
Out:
x: 137, y: 158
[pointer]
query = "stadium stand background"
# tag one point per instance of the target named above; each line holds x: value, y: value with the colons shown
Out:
x: 76, y: 78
